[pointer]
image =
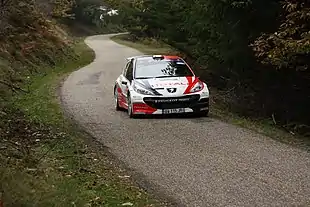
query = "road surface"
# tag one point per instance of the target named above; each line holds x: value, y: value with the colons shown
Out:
x: 197, y: 161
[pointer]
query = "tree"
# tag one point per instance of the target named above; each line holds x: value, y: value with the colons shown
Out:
x: 289, y: 47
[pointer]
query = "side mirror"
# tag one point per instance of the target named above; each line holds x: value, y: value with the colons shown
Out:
x: 124, y: 82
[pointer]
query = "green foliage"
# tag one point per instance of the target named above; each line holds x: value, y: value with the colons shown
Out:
x: 87, y: 11
x: 289, y: 47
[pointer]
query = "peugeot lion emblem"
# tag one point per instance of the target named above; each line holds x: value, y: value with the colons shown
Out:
x: 171, y: 90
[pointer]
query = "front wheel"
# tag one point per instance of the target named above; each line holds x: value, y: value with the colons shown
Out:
x: 130, y: 109
x: 204, y: 113
x: 117, y: 107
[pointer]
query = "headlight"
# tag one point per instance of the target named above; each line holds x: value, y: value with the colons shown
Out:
x: 140, y: 89
x: 197, y: 87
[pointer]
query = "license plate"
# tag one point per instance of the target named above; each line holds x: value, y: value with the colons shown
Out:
x: 173, y: 111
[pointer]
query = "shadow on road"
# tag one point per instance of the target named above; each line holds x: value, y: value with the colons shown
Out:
x: 173, y: 116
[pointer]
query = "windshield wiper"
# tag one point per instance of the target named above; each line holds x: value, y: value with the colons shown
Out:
x: 164, y: 76
x: 176, y: 76
x: 143, y: 77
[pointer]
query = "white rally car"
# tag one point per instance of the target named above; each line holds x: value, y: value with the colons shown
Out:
x: 159, y: 84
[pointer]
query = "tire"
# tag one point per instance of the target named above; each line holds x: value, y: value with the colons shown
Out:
x: 117, y: 107
x: 203, y: 113
x: 129, y: 110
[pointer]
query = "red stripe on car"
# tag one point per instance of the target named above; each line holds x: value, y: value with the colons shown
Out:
x: 191, y: 84
x: 121, y: 98
x: 142, y: 108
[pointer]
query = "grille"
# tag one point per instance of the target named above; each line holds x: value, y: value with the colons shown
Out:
x: 171, y: 102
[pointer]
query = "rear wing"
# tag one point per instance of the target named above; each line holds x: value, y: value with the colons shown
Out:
x: 137, y: 56
x: 130, y: 58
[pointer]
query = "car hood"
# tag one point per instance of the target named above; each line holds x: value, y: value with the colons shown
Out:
x: 170, y: 86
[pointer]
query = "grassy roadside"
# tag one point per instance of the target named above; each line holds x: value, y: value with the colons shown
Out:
x: 218, y: 110
x: 52, y: 162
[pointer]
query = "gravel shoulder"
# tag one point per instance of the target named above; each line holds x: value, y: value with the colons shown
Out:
x: 197, y: 161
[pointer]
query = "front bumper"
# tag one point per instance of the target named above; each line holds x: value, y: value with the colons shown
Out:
x: 162, y: 105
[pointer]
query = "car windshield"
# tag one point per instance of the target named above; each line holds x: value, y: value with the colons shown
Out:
x: 152, y: 68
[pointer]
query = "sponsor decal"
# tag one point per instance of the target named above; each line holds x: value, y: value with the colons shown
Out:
x: 171, y: 84
x: 170, y: 100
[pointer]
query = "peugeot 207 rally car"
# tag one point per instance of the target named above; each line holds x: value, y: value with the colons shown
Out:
x: 159, y: 84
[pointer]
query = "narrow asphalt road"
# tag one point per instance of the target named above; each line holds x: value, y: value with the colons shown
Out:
x: 197, y: 161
